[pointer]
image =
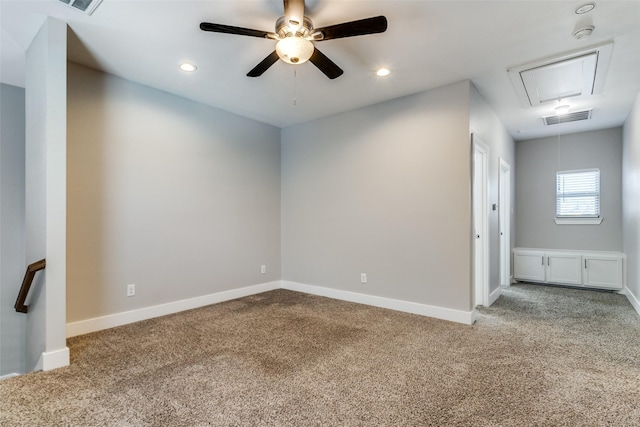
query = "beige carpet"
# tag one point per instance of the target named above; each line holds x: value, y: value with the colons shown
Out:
x: 540, y: 356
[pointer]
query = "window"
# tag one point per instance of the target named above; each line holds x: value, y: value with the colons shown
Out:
x: 578, y: 194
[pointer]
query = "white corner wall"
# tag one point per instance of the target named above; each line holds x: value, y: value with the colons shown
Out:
x: 631, y: 202
x: 382, y: 190
x: 178, y: 198
x: 45, y: 199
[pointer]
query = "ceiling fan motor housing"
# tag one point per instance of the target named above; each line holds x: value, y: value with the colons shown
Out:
x: 285, y: 29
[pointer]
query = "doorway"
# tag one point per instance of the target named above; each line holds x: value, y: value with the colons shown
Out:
x: 480, y: 200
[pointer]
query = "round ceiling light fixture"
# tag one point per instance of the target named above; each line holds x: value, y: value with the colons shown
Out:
x: 584, y: 32
x: 188, y: 67
x: 383, y: 72
x: 294, y: 49
x: 585, y: 8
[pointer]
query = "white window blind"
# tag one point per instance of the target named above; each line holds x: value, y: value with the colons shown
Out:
x: 578, y: 194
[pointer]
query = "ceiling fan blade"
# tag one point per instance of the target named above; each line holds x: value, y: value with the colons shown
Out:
x: 324, y: 64
x: 264, y: 65
x: 294, y: 13
x: 377, y: 24
x: 228, y: 29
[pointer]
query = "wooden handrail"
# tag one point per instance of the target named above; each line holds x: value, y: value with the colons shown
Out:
x: 32, y: 269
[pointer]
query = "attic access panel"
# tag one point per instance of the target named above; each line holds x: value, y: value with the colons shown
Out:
x: 580, y: 73
x: 564, y: 79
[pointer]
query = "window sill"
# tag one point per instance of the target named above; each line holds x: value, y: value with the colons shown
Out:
x: 580, y: 221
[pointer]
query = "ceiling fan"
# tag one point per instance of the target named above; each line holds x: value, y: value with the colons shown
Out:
x: 295, y: 35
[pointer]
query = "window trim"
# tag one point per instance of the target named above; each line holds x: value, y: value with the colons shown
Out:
x: 574, y: 220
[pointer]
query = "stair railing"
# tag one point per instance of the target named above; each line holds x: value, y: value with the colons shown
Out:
x: 32, y: 269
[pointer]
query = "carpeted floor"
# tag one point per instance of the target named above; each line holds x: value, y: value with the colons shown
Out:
x: 540, y: 356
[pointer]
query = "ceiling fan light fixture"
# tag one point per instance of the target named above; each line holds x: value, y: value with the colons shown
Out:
x: 294, y: 50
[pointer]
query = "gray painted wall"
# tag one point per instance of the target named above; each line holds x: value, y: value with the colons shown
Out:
x: 382, y: 190
x: 180, y: 199
x: 631, y: 198
x: 12, y: 263
x: 537, y: 162
x: 486, y: 124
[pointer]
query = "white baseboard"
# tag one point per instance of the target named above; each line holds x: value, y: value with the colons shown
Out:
x: 53, y: 359
x: 105, y: 322
x: 7, y: 376
x: 632, y: 299
x: 466, y: 317
x: 118, y: 319
x: 493, y: 296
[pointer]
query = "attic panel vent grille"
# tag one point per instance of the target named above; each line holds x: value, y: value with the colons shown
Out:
x: 86, y: 6
x: 566, y: 118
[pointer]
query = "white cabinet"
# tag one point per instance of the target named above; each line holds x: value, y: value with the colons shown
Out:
x: 529, y: 265
x: 564, y: 268
x: 603, y: 270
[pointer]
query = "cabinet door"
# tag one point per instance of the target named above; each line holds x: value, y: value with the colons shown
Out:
x: 603, y: 271
x: 564, y: 268
x: 528, y: 265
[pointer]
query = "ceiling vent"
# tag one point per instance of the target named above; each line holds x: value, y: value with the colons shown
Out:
x: 86, y: 6
x: 567, y: 118
x: 580, y: 73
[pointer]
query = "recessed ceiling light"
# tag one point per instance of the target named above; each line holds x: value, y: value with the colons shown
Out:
x: 585, y: 8
x: 382, y: 72
x: 188, y: 67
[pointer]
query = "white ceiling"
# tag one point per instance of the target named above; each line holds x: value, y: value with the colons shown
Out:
x: 428, y: 44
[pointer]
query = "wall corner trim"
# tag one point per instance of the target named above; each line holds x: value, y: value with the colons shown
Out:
x: 53, y: 359
x: 493, y: 296
x: 118, y: 319
x: 474, y: 315
x: 635, y: 302
x: 458, y: 316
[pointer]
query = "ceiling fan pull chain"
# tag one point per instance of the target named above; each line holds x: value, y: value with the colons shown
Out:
x: 295, y: 81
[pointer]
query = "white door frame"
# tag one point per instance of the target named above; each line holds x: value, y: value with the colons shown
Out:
x: 505, y: 223
x: 480, y: 210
